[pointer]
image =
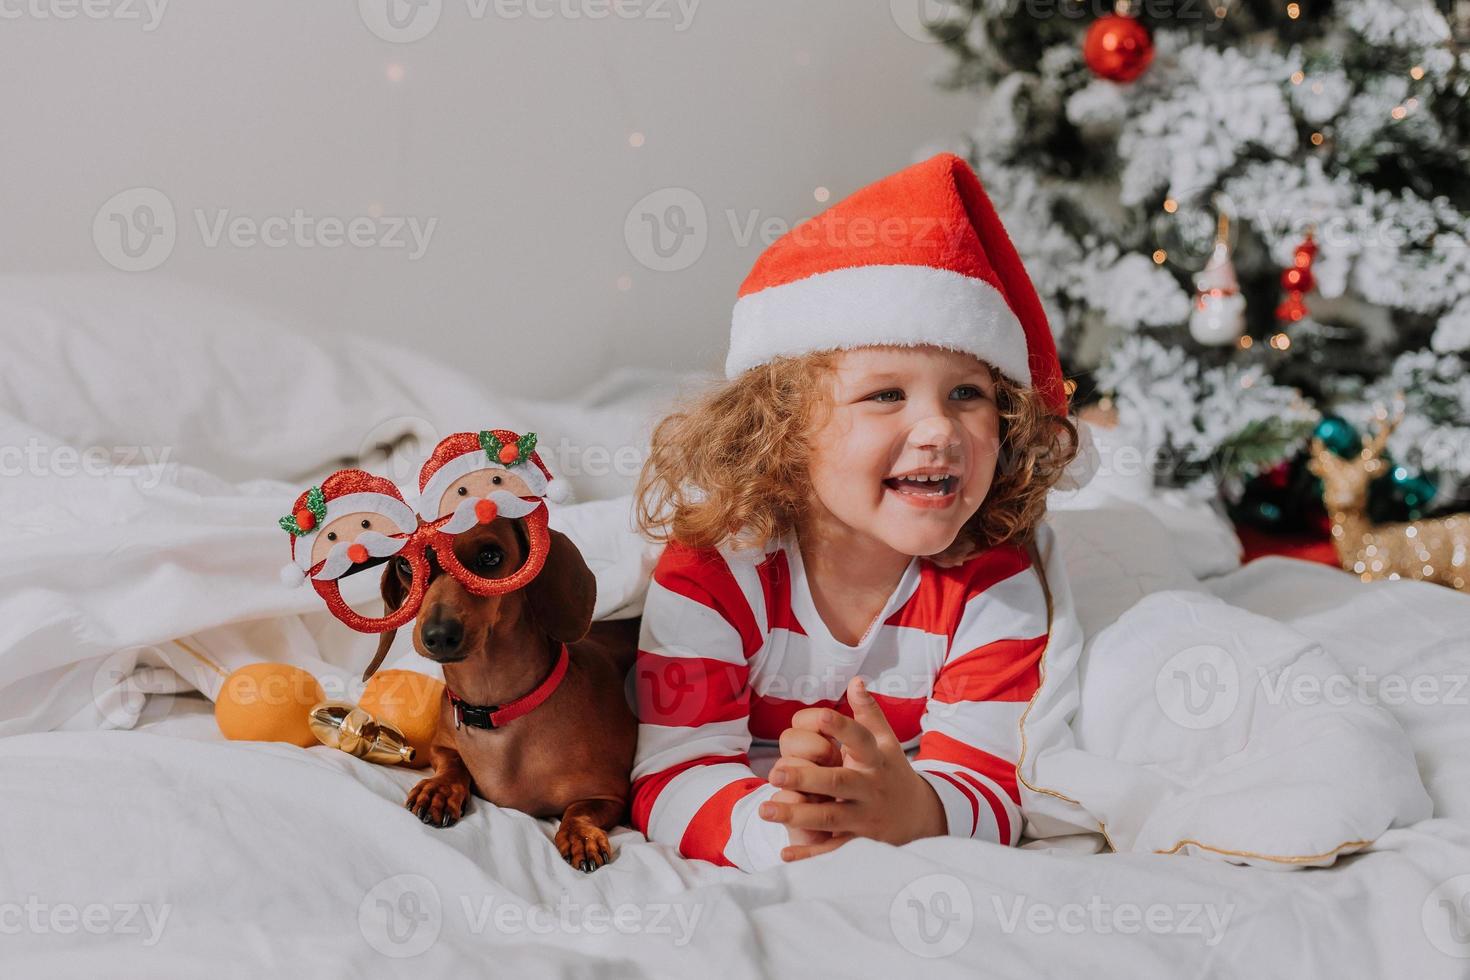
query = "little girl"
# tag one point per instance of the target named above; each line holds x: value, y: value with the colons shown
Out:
x: 845, y: 626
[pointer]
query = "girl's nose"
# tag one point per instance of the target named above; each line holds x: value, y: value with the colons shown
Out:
x: 937, y: 433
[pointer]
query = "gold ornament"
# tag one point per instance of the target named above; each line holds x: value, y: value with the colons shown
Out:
x: 344, y: 726
x: 1436, y: 550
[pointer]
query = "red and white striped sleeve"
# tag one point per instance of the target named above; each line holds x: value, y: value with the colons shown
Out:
x: 692, y: 782
x: 970, y: 739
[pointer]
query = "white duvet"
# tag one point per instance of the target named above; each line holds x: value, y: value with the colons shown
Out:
x: 1278, y: 715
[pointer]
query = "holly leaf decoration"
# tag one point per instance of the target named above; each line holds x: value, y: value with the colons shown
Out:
x: 316, y: 503
x: 527, y: 445
x: 493, y: 444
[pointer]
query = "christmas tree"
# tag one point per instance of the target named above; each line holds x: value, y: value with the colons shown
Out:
x: 1248, y: 220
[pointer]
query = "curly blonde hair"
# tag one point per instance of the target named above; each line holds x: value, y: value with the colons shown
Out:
x: 708, y: 483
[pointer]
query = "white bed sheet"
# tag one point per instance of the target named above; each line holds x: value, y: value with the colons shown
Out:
x: 165, y: 851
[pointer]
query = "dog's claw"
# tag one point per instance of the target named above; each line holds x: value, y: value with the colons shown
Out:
x: 447, y: 819
x: 588, y: 865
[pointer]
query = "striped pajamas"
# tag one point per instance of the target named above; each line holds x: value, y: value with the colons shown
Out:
x: 732, y: 647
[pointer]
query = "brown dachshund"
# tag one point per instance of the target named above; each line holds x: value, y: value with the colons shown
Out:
x: 569, y: 755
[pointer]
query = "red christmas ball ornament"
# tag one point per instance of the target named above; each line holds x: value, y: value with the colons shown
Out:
x: 305, y: 519
x: 509, y: 452
x: 1298, y: 280
x: 1118, y: 48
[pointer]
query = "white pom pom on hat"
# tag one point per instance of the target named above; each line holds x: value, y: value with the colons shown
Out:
x: 292, y: 575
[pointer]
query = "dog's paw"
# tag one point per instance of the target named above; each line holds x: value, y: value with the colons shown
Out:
x: 584, y: 847
x: 438, y: 802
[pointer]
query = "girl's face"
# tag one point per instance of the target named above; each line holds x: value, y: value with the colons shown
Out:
x: 908, y: 450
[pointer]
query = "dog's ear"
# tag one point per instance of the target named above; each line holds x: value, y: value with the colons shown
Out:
x: 393, y: 594
x: 562, y: 596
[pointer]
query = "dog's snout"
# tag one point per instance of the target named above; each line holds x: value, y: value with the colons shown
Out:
x: 442, y: 637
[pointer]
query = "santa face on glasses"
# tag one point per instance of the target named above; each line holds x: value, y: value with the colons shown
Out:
x: 475, y: 478
x: 352, y: 518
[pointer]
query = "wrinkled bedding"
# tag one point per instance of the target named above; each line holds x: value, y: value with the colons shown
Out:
x: 1200, y: 731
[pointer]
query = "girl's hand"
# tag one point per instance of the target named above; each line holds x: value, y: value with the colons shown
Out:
x: 800, y: 747
x: 874, y: 793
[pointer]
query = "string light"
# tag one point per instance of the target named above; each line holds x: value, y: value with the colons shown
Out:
x: 822, y: 195
x: 1171, y: 205
x: 1399, y: 112
x: 1417, y: 72
x: 1246, y: 341
x: 635, y: 140
x: 1298, y: 76
x: 1317, y: 139
x: 1159, y: 256
x: 1280, y: 341
x: 1293, y: 10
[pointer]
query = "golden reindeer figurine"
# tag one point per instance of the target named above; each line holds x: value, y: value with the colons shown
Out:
x: 1435, y: 550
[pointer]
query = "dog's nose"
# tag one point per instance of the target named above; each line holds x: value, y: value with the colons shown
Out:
x: 443, y: 636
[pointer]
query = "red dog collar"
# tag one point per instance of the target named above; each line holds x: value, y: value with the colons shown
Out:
x: 491, y: 716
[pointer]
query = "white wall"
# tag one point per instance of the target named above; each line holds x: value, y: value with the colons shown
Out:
x: 512, y: 131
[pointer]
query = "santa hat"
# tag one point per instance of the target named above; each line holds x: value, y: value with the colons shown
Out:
x: 344, y: 492
x: 920, y: 257
x: 464, y: 453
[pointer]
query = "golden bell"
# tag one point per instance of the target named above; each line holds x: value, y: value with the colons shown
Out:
x: 345, y: 726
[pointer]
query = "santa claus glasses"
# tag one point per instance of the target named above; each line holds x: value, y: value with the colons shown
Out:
x: 355, y: 520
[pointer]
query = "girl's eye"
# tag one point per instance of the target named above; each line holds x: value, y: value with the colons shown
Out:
x: 463, y: 491
x: 891, y: 395
x: 967, y: 393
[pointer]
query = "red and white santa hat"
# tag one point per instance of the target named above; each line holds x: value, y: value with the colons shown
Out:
x: 920, y: 257
x: 464, y: 453
x: 344, y: 492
